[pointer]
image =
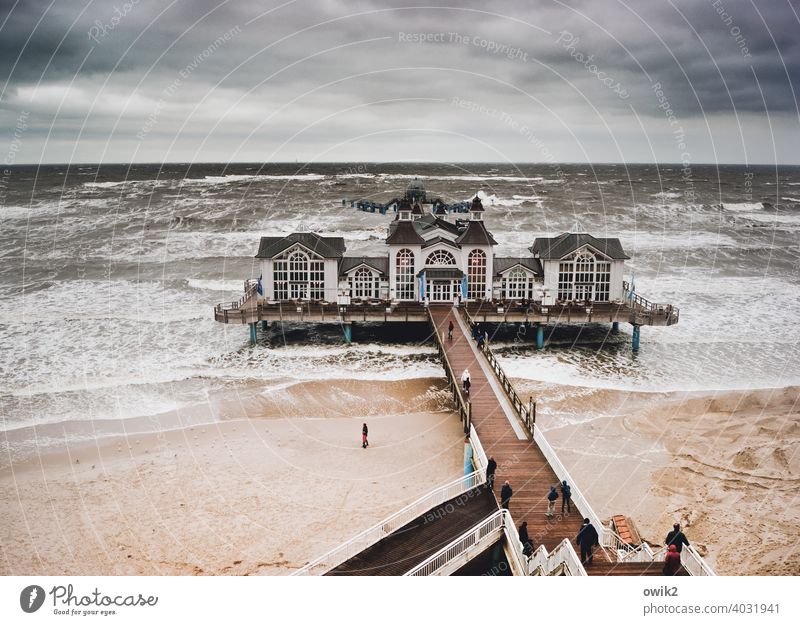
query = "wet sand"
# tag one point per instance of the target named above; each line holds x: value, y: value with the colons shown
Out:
x: 724, y: 464
x: 244, y: 496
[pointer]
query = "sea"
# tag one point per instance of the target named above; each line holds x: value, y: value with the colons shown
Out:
x: 109, y: 275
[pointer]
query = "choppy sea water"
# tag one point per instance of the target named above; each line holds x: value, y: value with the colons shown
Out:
x: 108, y: 277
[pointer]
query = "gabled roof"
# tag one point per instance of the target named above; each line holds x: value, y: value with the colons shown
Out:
x: 379, y: 263
x: 442, y: 272
x: 501, y: 265
x: 554, y: 248
x: 476, y: 234
x: 327, y: 247
x: 417, y: 210
x: 403, y: 233
x: 477, y: 205
x: 437, y: 240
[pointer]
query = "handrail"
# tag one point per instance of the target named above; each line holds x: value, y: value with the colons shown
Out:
x: 464, y: 407
x: 473, y: 538
x: 395, y: 521
x: 479, y: 459
x: 694, y: 563
x: 564, y: 555
x: 526, y: 413
x: 250, y: 289
x: 638, y: 302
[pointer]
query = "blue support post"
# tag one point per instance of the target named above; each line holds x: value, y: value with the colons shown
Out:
x: 348, y: 332
x: 264, y: 325
x: 635, y: 341
x: 253, y: 333
x: 539, y: 336
x: 615, y: 327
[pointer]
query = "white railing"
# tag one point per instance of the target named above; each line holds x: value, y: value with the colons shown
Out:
x: 479, y: 459
x: 694, y: 563
x: 372, y: 535
x: 518, y: 560
x: 563, y: 558
x: 456, y: 554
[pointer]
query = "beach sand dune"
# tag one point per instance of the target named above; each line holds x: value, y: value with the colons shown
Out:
x: 725, y: 464
x: 241, y: 496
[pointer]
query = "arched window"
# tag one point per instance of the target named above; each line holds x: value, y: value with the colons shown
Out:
x: 517, y: 284
x: 364, y: 284
x: 476, y: 275
x: 441, y: 257
x: 297, y: 276
x: 584, y: 269
x: 404, y: 274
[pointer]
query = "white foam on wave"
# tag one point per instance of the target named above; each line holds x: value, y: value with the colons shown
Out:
x: 530, y: 180
x: 215, y: 285
x: 742, y: 207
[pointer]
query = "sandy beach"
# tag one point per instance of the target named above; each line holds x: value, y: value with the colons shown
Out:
x: 244, y: 496
x: 724, y: 464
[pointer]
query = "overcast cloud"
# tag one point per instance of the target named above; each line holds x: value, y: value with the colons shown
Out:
x: 203, y: 80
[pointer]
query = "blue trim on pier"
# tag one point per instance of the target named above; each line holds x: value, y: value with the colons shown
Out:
x: 539, y: 336
x: 253, y: 333
x: 347, y: 328
x: 615, y: 327
x: 635, y: 341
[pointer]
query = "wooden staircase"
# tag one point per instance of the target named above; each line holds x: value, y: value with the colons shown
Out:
x: 413, y: 543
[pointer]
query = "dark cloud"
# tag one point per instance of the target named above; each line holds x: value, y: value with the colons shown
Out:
x: 152, y: 77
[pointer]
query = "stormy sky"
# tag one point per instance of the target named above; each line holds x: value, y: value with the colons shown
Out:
x: 697, y: 81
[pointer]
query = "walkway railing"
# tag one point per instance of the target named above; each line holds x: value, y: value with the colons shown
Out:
x: 462, y: 405
x: 372, y: 535
x: 639, y: 303
x: 479, y: 459
x: 526, y: 412
x: 563, y: 559
x: 222, y: 311
x: 457, y: 553
x: 694, y: 563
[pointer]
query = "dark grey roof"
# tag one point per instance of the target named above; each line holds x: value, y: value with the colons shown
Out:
x: 403, y: 233
x: 417, y: 210
x: 476, y: 234
x: 327, y: 247
x: 381, y: 263
x: 440, y: 210
x: 442, y: 273
x: 437, y: 240
x: 477, y: 205
x: 553, y: 248
x: 504, y: 264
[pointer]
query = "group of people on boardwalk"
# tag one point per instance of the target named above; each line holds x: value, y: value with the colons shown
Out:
x: 480, y: 335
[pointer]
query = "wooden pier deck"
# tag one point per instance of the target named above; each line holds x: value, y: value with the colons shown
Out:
x: 519, y: 460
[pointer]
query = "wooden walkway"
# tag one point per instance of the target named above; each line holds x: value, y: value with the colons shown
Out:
x: 518, y: 461
x: 416, y: 541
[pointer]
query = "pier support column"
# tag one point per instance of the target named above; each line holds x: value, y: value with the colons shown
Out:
x: 615, y: 327
x: 253, y: 333
x: 539, y: 336
x: 635, y: 340
x: 264, y: 325
x: 347, y: 328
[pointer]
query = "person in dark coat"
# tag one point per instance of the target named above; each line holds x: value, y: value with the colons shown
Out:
x: 551, y: 502
x: 491, y: 467
x: 505, y: 495
x: 450, y: 330
x: 566, y: 493
x: 364, y: 433
x: 672, y: 563
x: 527, y: 545
x: 587, y: 538
x: 676, y: 537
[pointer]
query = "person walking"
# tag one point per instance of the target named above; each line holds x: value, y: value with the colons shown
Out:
x: 551, y: 502
x: 566, y: 493
x: 466, y: 382
x: 505, y: 495
x: 676, y: 537
x: 364, y: 433
x: 480, y: 341
x: 491, y: 467
x: 586, y: 539
x: 527, y: 545
x: 450, y: 331
x: 672, y: 562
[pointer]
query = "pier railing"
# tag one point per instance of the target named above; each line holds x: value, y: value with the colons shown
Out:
x: 242, y: 309
x: 456, y: 554
x: 372, y: 535
x: 462, y: 405
x: 526, y: 412
x: 694, y: 563
x: 648, y: 309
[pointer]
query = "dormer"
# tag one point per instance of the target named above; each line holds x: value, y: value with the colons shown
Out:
x: 404, y: 211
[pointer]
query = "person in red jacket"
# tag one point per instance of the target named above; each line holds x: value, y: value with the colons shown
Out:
x: 672, y: 563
